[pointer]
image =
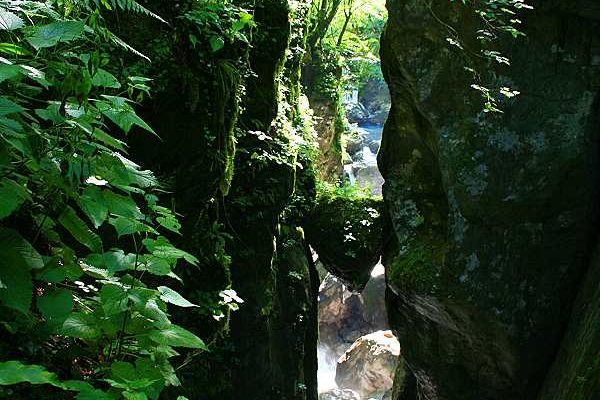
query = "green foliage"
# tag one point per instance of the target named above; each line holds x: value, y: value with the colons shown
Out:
x: 354, y: 34
x: 345, y: 191
x: 220, y: 22
x: 80, y: 227
x: 128, y: 5
x: 497, y: 18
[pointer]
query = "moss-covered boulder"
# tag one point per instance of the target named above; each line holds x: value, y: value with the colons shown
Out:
x: 345, y: 231
x: 491, y: 218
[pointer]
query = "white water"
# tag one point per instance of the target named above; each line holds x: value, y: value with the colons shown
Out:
x: 368, y: 157
x: 326, y: 372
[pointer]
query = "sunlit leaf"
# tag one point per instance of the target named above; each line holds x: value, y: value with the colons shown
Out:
x: 168, y: 295
x: 51, y: 34
x: 177, y: 336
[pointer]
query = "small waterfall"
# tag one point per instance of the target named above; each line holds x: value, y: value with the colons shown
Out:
x: 327, y: 364
x: 362, y: 170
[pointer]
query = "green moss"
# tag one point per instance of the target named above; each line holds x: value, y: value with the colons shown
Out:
x: 345, y: 230
x: 417, y: 269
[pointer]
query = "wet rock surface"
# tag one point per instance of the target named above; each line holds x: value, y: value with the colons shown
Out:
x: 356, y: 351
x: 368, y: 367
x: 345, y: 316
x: 339, y: 394
x: 362, y: 146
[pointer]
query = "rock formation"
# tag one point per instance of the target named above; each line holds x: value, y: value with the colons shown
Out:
x: 345, y: 316
x: 368, y: 367
x: 492, y: 219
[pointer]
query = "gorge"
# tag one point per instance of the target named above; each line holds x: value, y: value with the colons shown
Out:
x: 222, y: 223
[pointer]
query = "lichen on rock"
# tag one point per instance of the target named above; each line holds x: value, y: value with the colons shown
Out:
x: 490, y: 218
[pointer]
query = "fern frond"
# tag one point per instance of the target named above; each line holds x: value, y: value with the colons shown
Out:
x: 134, y: 6
x: 120, y: 42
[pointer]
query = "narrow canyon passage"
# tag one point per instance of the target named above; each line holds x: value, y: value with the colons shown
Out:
x: 300, y: 200
x: 357, y: 352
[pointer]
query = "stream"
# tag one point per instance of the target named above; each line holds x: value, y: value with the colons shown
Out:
x: 362, y: 168
x: 357, y: 353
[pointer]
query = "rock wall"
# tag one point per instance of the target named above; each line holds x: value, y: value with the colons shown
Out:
x: 491, y: 219
x: 229, y: 123
x: 575, y: 374
x: 274, y: 334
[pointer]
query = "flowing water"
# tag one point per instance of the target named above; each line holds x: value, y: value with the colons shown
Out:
x: 362, y: 170
x: 329, y: 350
x: 345, y: 316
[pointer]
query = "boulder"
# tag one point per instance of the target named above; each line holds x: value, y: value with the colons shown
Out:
x: 339, y: 394
x: 368, y: 367
x: 345, y: 231
x: 370, y: 177
x: 345, y: 316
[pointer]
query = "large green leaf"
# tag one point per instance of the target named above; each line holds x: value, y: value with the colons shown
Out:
x: 81, y: 325
x: 55, y: 305
x: 156, y: 265
x: 9, y: 71
x: 93, y: 394
x: 94, y: 205
x: 119, y: 111
x: 168, y: 295
x: 17, y: 288
x: 127, y: 395
x: 176, y: 336
x: 105, y: 79
x: 18, y: 257
x: 51, y: 34
x: 114, y: 299
x: 122, y: 206
x: 9, y: 107
x: 86, y: 391
x: 108, y: 140
x: 162, y: 248
x: 153, y: 311
x: 12, y: 195
x: 113, y: 261
x: 121, y: 172
x: 16, y: 250
x: 123, y: 371
x: 10, y: 21
x: 13, y: 372
x: 79, y: 229
x: 128, y: 226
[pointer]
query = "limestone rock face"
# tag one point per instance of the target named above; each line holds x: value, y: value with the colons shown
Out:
x: 275, y: 336
x: 491, y: 219
x: 368, y: 367
x: 325, y: 101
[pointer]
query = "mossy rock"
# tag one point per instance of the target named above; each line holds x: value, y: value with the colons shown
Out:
x: 346, y: 232
x: 418, y: 267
